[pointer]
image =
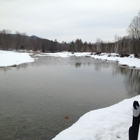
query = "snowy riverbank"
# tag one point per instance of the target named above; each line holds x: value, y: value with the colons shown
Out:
x: 11, y: 58
x: 130, y: 61
x: 111, y: 123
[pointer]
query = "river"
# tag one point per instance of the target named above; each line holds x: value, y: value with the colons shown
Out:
x: 38, y: 100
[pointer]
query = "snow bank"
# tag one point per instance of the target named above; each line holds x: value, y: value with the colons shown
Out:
x: 129, y: 61
x: 63, y: 54
x: 111, y: 123
x: 10, y: 58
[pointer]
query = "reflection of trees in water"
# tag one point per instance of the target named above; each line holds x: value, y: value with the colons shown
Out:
x: 5, y: 69
x: 77, y: 64
x: 80, y: 61
x: 132, y: 79
x: 17, y: 67
x: 22, y: 66
x: 131, y: 76
x: 99, y: 65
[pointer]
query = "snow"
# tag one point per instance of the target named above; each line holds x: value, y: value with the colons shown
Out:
x: 110, y: 123
x: 128, y: 61
x: 63, y: 54
x: 11, y: 58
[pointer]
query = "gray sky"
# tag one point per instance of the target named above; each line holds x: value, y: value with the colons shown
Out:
x: 67, y: 20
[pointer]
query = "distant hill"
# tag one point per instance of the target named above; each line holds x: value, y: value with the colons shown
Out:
x: 34, y: 37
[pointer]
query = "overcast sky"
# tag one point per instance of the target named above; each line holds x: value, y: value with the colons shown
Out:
x: 67, y: 20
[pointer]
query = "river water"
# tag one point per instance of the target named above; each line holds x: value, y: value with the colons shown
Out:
x: 38, y: 100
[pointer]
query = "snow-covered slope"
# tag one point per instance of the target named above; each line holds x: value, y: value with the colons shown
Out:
x: 111, y: 123
x: 10, y: 58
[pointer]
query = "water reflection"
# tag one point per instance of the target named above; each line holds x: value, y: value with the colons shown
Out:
x: 131, y: 76
x: 77, y: 64
x: 132, y: 79
x: 40, y: 99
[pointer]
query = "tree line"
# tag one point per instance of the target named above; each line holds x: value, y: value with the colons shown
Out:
x: 124, y: 45
x: 129, y: 44
x: 20, y: 41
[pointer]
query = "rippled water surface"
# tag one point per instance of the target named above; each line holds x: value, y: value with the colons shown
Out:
x: 38, y: 100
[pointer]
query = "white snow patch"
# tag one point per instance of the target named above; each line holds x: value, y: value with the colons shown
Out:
x: 111, y: 123
x: 129, y: 61
x: 10, y: 58
x: 63, y: 54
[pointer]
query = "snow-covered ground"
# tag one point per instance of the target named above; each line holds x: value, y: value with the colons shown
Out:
x: 130, y: 61
x: 11, y: 58
x: 111, y: 123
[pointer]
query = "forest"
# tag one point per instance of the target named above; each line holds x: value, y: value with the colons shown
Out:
x: 129, y: 44
x: 20, y: 41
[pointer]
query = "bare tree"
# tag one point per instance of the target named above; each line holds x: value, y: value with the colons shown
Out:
x: 98, y: 45
x: 18, y: 40
x: 117, y: 38
x: 134, y: 27
x: 5, y: 39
